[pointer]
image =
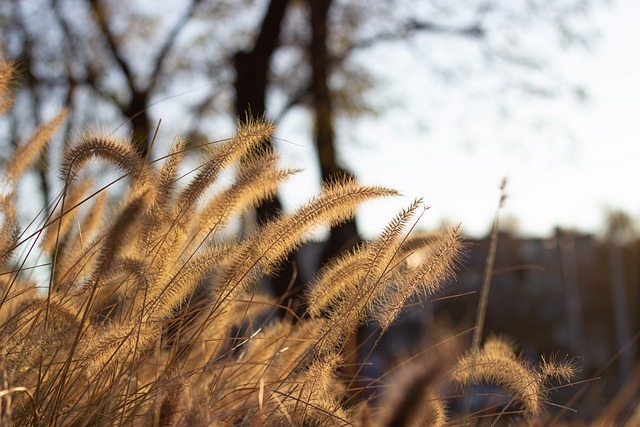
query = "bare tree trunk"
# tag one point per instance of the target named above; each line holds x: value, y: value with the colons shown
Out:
x: 344, y: 236
x: 252, y: 69
x: 136, y: 112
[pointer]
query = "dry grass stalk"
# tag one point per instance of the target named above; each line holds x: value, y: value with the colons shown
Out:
x: 496, y: 363
x: 7, y: 74
x: 26, y: 153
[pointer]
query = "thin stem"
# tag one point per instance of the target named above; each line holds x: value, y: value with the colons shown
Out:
x: 488, y: 272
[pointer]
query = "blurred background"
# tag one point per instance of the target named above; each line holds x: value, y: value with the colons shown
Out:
x: 440, y: 99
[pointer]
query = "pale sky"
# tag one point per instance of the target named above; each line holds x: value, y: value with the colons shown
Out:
x: 567, y: 163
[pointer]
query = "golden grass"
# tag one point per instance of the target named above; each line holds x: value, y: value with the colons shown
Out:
x: 151, y: 317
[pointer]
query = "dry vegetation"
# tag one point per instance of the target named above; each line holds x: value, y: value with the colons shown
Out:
x: 151, y: 317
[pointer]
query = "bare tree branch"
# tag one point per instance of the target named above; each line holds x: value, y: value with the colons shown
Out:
x: 409, y: 28
x: 110, y: 38
x: 170, y: 41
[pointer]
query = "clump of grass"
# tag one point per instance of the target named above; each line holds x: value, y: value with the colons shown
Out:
x: 143, y: 315
x: 497, y: 363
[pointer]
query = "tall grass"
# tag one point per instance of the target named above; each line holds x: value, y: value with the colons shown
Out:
x: 151, y: 316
